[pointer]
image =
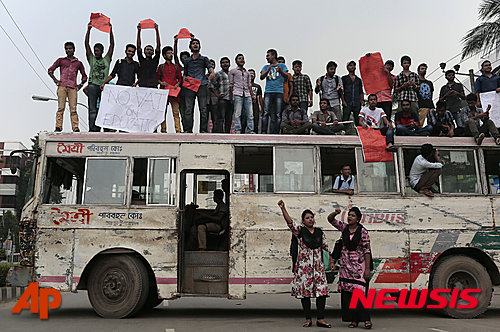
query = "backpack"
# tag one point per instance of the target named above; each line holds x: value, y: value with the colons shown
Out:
x: 336, y: 83
x: 341, y: 181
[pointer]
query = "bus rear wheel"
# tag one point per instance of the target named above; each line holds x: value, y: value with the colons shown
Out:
x: 463, y: 272
x: 118, y: 286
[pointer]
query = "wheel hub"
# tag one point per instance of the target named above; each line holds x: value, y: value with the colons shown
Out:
x: 114, y: 285
x: 462, y: 280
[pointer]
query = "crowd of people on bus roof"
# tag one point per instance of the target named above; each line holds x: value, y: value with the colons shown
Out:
x: 230, y: 97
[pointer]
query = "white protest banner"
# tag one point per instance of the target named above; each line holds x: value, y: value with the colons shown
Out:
x: 135, y: 110
x: 491, y: 98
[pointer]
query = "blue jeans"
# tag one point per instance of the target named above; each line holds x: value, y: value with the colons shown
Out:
x: 272, y: 106
x: 388, y: 133
x: 187, y: 117
x: 403, y: 131
x: 328, y: 130
x: 304, y: 105
x: 94, y: 94
x: 243, y: 107
x: 224, y: 116
x: 458, y: 119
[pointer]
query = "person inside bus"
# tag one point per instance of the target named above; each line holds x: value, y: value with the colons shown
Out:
x: 425, y: 171
x: 355, y: 265
x: 477, y: 122
x: 309, y: 274
x: 212, y: 222
x: 344, y: 183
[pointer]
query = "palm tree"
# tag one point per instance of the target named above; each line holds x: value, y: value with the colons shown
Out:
x: 486, y: 36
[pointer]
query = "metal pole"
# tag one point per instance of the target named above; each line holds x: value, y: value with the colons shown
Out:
x: 471, y: 77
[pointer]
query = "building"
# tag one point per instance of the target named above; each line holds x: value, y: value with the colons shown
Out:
x: 9, y: 182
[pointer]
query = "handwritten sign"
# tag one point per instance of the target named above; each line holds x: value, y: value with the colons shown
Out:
x: 491, y: 98
x: 135, y: 110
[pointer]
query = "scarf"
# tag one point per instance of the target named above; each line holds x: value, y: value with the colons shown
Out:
x: 351, y: 245
x: 311, y: 240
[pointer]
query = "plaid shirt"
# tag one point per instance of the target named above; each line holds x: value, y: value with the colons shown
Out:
x: 221, y: 83
x: 433, y: 118
x: 467, y: 115
x: 407, y: 93
x: 301, y: 86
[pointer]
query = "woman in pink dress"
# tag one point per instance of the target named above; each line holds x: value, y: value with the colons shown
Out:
x: 355, y: 260
x: 309, y: 273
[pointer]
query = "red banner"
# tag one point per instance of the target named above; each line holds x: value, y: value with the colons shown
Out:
x: 374, y: 79
x: 184, y: 33
x: 100, y: 22
x: 173, y: 91
x: 191, y: 83
x: 147, y: 24
x: 373, y: 143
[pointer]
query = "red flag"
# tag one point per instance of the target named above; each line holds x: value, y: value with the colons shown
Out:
x: 147, y: 24
x: 191, y: 83
x: 373, y: 143
x: 100, y: 22
x: 374, y: 79
x: 172, y: 91
x: 183, y: 33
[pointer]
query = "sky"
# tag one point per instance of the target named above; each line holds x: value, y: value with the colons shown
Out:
x: 314, y: 31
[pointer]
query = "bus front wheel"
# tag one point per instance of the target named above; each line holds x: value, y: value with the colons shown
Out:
x: 463, y: 272
x: 118, y: 286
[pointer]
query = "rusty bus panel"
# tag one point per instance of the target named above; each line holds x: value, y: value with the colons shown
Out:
x: 237, y: 264
x: 206, y: 156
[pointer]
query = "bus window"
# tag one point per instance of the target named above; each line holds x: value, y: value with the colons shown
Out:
x: 161, y: 186
x: 492, y: 161
x: 253, y: 169
x: 376, y: 177
x: 459, y: 172
x: 139, y: 181
x: 64, y: 182
x: 332, y: 160
x: 294, y: 169
x: 105, y: 181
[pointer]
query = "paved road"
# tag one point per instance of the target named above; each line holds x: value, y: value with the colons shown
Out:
x: 257, y: 313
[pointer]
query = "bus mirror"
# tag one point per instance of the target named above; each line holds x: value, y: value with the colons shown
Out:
x: 13, y: 170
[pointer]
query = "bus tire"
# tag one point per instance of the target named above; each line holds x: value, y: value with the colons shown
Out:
x: 463, y: 272
x: 153, y: 300
x: 118, y: 286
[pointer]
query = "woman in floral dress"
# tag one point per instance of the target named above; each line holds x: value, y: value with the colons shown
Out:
x: 309, y: 274
x: 354, y: 264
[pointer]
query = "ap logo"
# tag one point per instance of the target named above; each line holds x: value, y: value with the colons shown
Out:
x: 39, y: 300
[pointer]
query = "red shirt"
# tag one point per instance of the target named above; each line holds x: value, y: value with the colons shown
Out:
x: 69, y: 69
x: 406, y: 119
x: 171, y: 74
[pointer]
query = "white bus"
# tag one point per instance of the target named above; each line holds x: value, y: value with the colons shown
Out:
x: 112, y: 214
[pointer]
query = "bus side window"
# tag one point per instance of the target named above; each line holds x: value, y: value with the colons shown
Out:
x: 459, y: 172
x: 294, y: 169
x: 492, y: 161
x: 332, y: 160
x: 162, y: 181
x: 64, y: 181
x: 376, y: 177
x: 253, y: 169
x: 105, y: 181
x: 139, y: 181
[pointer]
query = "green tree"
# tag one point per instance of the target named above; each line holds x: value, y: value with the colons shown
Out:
x: 486, y: 36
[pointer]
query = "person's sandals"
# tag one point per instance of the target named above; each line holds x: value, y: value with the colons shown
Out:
x: 325, y: 325
x: 353, y: 325
x: 427, y: 192
x: 479, y: 139
x: 497, y: 141
x: 391, y: 148
x: 368, y: 325
x: 308, y: 324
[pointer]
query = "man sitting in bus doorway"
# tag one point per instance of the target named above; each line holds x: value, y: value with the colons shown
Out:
x: 344, y: 183
x: 212, y: 222
x: 425, y: 171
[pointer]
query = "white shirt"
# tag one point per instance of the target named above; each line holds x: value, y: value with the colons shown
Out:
x: 419, y: 167
x: 373, y: 118
x: 346, y: 184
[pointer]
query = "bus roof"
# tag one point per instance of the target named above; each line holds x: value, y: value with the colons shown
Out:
x: 256, y: 139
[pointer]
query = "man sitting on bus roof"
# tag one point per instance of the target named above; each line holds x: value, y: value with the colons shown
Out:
x: 344, y: 183
x: 441, y: 120
x: 477, y: 122
x: 407, y: 122
x: 425, y: 171
x: 294, y: 120
x: 212, y: 222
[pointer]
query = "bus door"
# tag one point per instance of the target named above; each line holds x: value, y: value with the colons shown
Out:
x: 203, y: 251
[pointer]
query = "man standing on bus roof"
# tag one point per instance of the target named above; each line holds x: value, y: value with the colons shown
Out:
x: 148, y: 64
x: 344, y: 183
x: 425, y: 91
x: 406, y: 85
x: 425, y: 171
x: 219, y: 86
x: 194, y: 67
x: 67, y: 88
x: 126, y: 69
x: 353, y: 94
x: 373, y: 117
x: 452, y: 93
x: 276, y: 75
x: 240, y: 89
x: 99, y: 70
x: 330, y: 87
x: 487, y: 81
x: 169, y: 74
